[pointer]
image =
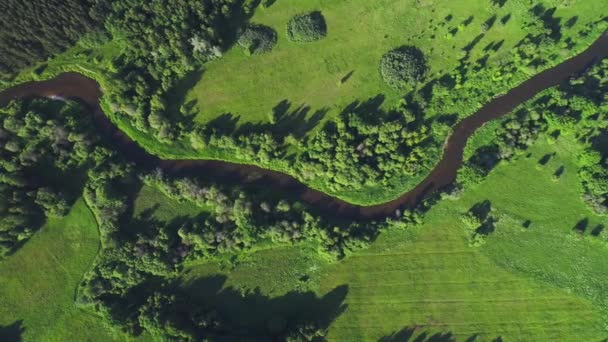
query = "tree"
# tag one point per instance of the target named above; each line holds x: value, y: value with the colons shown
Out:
x: 403, y: 66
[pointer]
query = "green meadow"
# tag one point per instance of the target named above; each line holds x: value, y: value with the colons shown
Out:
x: 359, y: 33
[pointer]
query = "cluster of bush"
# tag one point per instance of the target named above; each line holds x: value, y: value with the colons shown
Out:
x: 369, y: 149
x: 257, y: 39
x: 359, y: 149
x: 479, y: 223
x: 402, y: 67
x: 307, y: 27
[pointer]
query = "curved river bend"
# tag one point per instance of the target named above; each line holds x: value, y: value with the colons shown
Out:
x: 74, y: 85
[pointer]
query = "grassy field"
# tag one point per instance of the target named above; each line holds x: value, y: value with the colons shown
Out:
x: 538, y: 283
x: 359, y: 33
x: 39, y: 282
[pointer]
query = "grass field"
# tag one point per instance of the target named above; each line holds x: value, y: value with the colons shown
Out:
x: 359, y: 33
x: 539, y: 283
x: 39, y: 282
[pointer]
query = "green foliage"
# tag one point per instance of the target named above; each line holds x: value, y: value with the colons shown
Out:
x: 54, y: 203
x: 307, y: 27
x: 364, y: 150
x: 404, y: 66
x: 257, y: 39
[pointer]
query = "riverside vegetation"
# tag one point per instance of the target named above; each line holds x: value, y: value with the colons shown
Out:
x: 154, y: 97
x: 185, y: 257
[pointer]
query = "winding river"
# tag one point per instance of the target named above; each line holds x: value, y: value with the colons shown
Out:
x: 75, y: 85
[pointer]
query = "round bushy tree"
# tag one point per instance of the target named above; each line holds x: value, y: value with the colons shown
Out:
x: 307, y: 27
x: 256, y: 39
x: 402, y: 66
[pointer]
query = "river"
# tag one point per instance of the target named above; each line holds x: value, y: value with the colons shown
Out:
x: 77, y: 86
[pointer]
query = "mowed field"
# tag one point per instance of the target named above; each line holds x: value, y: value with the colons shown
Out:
x: 359, y: 33
x: 541, y: 283
x: 39, y: 283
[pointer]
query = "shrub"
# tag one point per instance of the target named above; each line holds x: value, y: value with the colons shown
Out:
x: 307, y: 27
x: 402, y: 66
x: 257, y: 39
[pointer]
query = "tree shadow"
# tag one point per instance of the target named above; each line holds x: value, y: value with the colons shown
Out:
x: 347, y: 77
x: 268, y: 3
x: 481, y: 209
x: 176, y: 96
x: 546, y: 158
x: 504, y: 20
x: 549, y: 21
x: 597, y: 230
x: 527, y: 224
x: 224, y: 124
x: 468, y: 21
x: 409, y: 334
x: 559, y: 172
x: 494, y: 46
x: 600, y: 143
x: 252, y: 313
x: 297, y: 122
x: 369, y: 106
x: 487, y: 227
x: 489, y: 23
x: 571, y: 22
x: 485, y: 158
x: 499, y: 3
x: 581, y: 226
x: 12, y: 332
x: 448, y: 119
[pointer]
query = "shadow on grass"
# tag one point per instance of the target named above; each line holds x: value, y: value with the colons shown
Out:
x: 12, y: 332
x: 410, y: 334
x: 252, y: 313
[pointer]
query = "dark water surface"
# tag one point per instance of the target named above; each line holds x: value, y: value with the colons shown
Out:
x: 74, y: 85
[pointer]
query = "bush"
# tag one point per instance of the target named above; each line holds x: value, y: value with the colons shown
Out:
x: 257, y: 39
x: 307, y: 27
x: 402, y: 66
